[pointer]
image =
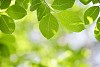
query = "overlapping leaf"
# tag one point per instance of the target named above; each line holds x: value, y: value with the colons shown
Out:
x: 22, y: 3
x: 91, y: 14
x: 35, y: 4
x: 62, y: 4
x: 7, y: 25
x: 48, y: 26
x: 42, y: 11
x: 4, y: 3
x: 16, y: 12
x: 71, y: 21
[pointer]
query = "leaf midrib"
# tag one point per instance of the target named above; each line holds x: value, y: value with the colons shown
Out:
x: 5, y: 23
x: 93, y: 12
x: 43, y: 12
x: 48, y: 25
x: 35, y: 4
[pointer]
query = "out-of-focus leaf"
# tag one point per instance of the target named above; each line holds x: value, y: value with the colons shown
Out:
x: 85, y: 2
x: 22, y: 3
x: 71, y: 21
x: 4, y: 3
x: 38, y: 65
x: 16, y: 12
x: 4, y: 51
x: 7, y: 39
x: 62, y: 4
x: 91, y: 14
x: 48, y: 26
x: 97, y: 30
x: 42, y: 11
x: 95, y: 1
x: 7, y: 24
x: 35, y: 4
x: 9, y: 42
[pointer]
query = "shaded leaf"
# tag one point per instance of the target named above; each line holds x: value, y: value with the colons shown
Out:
x: 48, y: 26
x: 9, y: 42
x: 16, y: 12
x: 35, y: 4
x: 4, y: 51
x: 62, y: 4
x: 71, y: 21
x: 4, y: 3
x: 42, y: 11
x: 7, y: 24
x: 22, y: 3
x: 97, y: 30
x: 91, y: 14
x: 95, y: 1
x: 85, y: 2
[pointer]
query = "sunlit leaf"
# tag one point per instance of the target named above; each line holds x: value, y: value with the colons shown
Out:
x: 48, y: 26
x: 16, y: 12
x: 42, y: 11
x: 71, y: 21
x: 7, y: 24
x: 97, y: 30
x: 22, y: 3
x: 62, y: 4
x: 85, y: 2
x: 35, y: 4
x: 91, y: 14
x: 4, y: 3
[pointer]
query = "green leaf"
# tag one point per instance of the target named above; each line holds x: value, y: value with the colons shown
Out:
x: 48, y: 26
x: 95, y: 1
x: 91, y: 14
x: 35, y: 4
x: 62, y: 4
x: 16, y: 12
x: 4, y: 51
x: 9, y: 41
x: 71, y: 21
x: 97, y: 30
x: 42, y: 11
x: 22, y: 3
x: 85, y: 2
x: 7, y: 25
x: 4, y: 3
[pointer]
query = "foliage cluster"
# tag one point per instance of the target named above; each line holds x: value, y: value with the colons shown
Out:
x: 49, y: 15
